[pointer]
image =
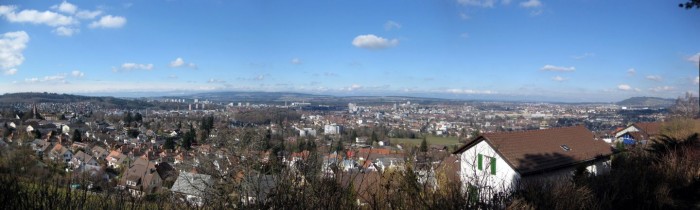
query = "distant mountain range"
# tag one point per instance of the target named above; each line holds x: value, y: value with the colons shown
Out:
x: 647, y: 102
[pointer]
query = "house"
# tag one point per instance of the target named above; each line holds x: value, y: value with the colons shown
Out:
x: 257, y: 187
x: 60, y: 153
x: 84, y: 162
x: 167, y: 173
x: 500, y: 162
x: 639, y: 133
x: 193, y: 187
x: 40, y: 146
x: 99, y: 153
x: 141, y: 178
x: 389, y: 163
x: 116, y: 159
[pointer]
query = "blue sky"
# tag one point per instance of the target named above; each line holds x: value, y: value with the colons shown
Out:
x: 573, y: 51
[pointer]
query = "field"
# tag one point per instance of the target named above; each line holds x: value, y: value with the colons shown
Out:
x: 432, y: 140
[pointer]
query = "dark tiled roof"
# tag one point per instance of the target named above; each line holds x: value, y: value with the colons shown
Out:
x: 638, y: 136
x: 534, y: 151
x: 650, y: 128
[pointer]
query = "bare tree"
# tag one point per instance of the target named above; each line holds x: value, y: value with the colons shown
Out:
x: 686, y: 107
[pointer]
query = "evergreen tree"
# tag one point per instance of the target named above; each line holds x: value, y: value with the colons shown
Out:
x: 375, y: 138
x: 340, y: 147
x: 424, y: 145
x: 37, y: 134
x: 76, y: 136
x: 189, y: 138
x: 128, y: 118
x: 138, y: 117
x: 208, y: 123
x: 169, y: 143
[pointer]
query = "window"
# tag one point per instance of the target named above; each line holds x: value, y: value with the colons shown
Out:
x: 565, y: 147
x: 490, y: 163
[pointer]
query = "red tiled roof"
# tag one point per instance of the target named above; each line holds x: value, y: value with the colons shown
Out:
x: 538, y: 150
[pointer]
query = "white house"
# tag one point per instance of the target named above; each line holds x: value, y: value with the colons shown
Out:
x: 638, y: 133
x: 498, y: 162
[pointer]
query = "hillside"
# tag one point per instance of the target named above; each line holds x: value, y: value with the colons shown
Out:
x: 108, y: 102
x: 646, y: 102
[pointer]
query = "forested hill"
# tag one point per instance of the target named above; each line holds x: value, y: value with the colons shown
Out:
x: 107, y: 102
x: 646, y: 102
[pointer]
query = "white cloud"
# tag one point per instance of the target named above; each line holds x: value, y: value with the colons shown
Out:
x: 531, y: 4
x: 389, y: 25
x: 464, y: 35
x: 296, y: 61
x: 109, y: 21
x: 9, y: 72
x: 36, y: 17
x: 536, y: 12
x: 479, y: 3
x: 469, y: 91
x: 59, y: 77
x: 64, y: 18
x: 179, y: 62
x: 662, y: 89
x: 7, y: 9
x: 172, y: 76
x: 558, y: 68
x: 77, y: 73
x: 694, y: 58
x: 370, y: 41
x: 624, y: 87
x: 583, y: 56
x: 66, y: 31
x: 133, y: 66
x: 631, y: 71
x: 464, y: 16
x: 654, y: 78
x: 12, y: 44
x: 87, y: 14
x: 559, y: 79
x: 259, y: 77
x: 353, y: 87
x: 65, y: 7
x: 697, y: 80
x: 55, y: 78
x: 212, y: 80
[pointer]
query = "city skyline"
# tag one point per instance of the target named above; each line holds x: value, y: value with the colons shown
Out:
x: 570, y: 51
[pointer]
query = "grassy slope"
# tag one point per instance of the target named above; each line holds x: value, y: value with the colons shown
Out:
x: 432, y: 140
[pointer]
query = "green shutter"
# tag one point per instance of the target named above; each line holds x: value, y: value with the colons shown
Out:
x: 478, y: 161
x: 493, y: 166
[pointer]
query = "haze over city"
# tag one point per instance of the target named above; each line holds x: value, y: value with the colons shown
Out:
x: 570, y: 51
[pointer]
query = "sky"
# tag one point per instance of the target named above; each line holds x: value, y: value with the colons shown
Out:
x: 567, y: 51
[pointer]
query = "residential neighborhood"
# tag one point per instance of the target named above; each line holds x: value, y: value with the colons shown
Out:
x: 195, y: 154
